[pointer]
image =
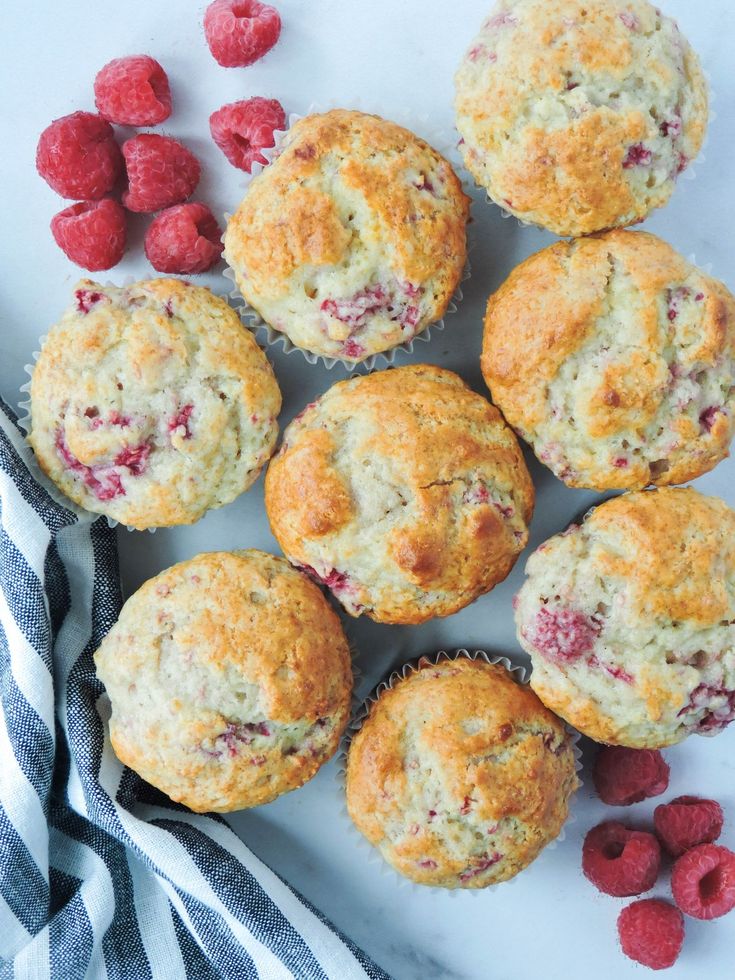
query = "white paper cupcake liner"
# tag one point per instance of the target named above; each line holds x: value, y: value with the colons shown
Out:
x: 272, y: 337
x: 522, y: 676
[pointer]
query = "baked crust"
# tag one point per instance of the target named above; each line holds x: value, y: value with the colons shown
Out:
x: 459, y: 775
x: 403, y: 491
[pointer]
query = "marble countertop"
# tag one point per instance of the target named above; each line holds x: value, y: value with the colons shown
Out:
x: 396, y: 59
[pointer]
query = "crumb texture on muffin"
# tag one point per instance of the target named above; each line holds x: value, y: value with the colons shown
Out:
x: 615, y: 359
x: 579, y: 115
x: 459, y: 775
x: 403, y: 491
x: 151, y: 403
x: 630, y: 619
x: 229, y: 678
x: 354, y: 239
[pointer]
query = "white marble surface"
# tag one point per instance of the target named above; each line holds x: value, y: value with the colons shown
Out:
x: 396, y: 58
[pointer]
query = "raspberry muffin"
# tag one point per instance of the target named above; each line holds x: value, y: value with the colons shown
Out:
x: 459, y: 775
x: 230, y: 682
x: 615, y: 359
x: 151, y: 403
x: 579, y: 115
x: 630, y: 619
x: 353, y: 240
x: 403, y: 492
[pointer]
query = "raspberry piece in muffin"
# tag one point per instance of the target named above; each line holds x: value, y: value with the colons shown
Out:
x: 151, y: 404
x: 614, y: 358
x: 92, y: 234
x: 703, y: 881
x: 651, y: 932
x: 656, y: 571
x: 625, y: 776
x: 133, y: 91
x: 686, y: 822
x: 240, y: 32
x: 353, y: 240
x: 78, y: 157
x: 230, y: 682
x: 620, y: 861
x: 161, y: 171
x: 242, y: 130
x: 433, y: 775
x: 403, y: 492
x: 579, y: 116
x: 184, y: 239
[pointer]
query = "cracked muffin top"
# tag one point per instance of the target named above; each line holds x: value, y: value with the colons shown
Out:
x: 152, y: 403
x: 459, y: 775
x: 614, y: 358
x: 229, y: 678
x: 354, y: 239
x: 630, y: 619
x: 404, y: 492
x: 579, y: 115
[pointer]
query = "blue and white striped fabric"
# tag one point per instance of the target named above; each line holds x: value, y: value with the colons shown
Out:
x: 100, y: 875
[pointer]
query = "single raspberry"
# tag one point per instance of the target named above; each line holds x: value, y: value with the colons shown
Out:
x: 92, y: 233
x: 184, y: 239
x: 686, y: 822
x: 239, y: 32
x: 703, y: 881
x: 620, y: 861
x: 133, y: 91
x: 242, y: 129
x: 161, y: 172
x: 651, y: 932
x: 563, y: 634
x: 78, y: 157
x: 624, y: 776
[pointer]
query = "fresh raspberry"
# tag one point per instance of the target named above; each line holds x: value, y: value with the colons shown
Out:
x: 240, y: 32
x: 624, y: 776
x: 686, y: 822
x: 651, y: 932
x: 242, y: 129
x: 620, y: 861
x: 92, y: 233
x: 78, y: 157
x: 703, y: 881
x: 161, y: 172
x: 133, y: 91
x: 184, y: 239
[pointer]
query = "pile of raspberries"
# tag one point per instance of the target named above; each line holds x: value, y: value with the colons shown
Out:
x: 79, y: 157
x: 623, y: 861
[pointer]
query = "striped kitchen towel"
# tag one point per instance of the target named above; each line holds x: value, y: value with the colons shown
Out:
x: 101, y: 875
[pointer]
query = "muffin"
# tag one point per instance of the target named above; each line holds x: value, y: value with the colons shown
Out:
x: 151, y: 403
x: 630, y: 619
x: 459, y: 775
x: 579, y: 115
x: 403, y: 492
x: 229, y: 678
x: 615, y: 359
x: 354, y: 239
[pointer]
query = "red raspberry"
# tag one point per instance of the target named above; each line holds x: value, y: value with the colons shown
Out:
x: 92, y: 233
x: 620, y: 861
x: 239, y: 32
x: 242, y: 129
x: 686, y: 822
x: 78, y: 157
x: 161, y: 172
x: 651, y: 932
x: 133, y: 91
x: 624, y: 776
x: 703, y: 881
x: 184, y: 239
